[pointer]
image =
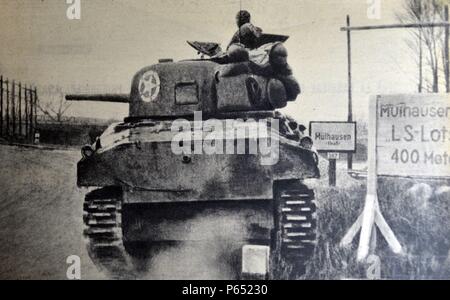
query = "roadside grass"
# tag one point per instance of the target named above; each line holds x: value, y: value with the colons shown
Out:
x: 417, y: 211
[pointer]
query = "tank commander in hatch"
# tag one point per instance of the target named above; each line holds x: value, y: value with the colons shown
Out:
x: 247, y: 34
x: 252, y: 52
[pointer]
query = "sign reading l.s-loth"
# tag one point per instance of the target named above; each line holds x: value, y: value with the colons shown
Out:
x: 333, y: 136
x: 413, y: 135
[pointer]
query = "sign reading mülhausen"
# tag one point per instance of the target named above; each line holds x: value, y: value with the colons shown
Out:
x: 413, y: 135
x: 333, y: 136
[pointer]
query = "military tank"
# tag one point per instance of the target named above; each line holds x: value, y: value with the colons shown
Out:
x: 166, y: 176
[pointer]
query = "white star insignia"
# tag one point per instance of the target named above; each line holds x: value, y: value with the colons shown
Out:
x: 149, y: 86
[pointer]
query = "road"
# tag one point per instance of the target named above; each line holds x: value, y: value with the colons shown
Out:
x: 41, y: 224
x: 40, y: 215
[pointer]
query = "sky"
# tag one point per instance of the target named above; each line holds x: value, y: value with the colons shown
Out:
x: 115, y: 38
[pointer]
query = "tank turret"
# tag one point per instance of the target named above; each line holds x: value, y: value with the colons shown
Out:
x: 180, y: 89
x: 229, y: 83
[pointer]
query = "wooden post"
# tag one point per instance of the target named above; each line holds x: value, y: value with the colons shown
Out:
x: 446, y: 54
x: 7, y: 107
x: 371, y: 215
x: 35, y: 110
x: 420, y: 61
x: 373, y: 241
x: 31, y: 114
x: 350, y: 100
x: 20, y: 109
x: 25, y: 98
x: 332, y: 172
x: 371, y: 204
x: 368, y: 219
x: 13, y: 110
x: 1, y: 106
x: 397, y: 26
x: 332, y: 159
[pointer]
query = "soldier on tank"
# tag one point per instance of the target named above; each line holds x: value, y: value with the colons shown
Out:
x: 269, y: 59
x: 247, y: 34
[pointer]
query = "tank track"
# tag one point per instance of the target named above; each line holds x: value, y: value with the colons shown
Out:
x: 295, y: 228
x: 103, y: 232
x: 296, y: 224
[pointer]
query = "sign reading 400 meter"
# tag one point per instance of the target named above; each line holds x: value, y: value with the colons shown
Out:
x: 413, y: 135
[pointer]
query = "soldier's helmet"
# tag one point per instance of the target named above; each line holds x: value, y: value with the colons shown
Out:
x: 242, y: 17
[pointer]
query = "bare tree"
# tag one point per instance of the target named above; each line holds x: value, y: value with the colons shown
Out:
x: 427, y: 43
x: 55, y: 107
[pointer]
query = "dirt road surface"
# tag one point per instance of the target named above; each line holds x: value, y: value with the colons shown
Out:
x: 40, y: 215
x: 41, y: 212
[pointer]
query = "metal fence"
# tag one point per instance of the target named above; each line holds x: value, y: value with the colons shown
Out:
x: 18, y: 111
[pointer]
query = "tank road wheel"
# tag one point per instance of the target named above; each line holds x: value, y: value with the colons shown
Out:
x: 295, y: 228
x: 103, y: 232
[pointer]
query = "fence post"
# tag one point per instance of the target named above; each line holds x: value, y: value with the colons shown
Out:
x: 20, y: 109
x: 26, y: 112
x: 7, y: 107
x: 12, y: 112
x: 35, y: 110
x: 13, y: 97
x: 31, y: 114
x: 1, y: 106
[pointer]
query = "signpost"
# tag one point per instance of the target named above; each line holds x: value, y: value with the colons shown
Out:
x: 333, y: 138
x: 332, y: 158
x: 413, y: 137
x: 409, y: 136
x: 349, y: 29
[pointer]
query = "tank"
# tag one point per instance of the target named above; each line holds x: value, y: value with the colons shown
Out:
x: 204, y: 158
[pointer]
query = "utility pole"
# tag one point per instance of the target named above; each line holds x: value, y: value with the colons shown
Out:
x: 420, y: 53
x: 350, y: 104
x: 446, y: 54
x: 420, y: 62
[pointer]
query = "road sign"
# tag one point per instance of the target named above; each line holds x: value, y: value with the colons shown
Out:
x: 413, y: 135
x: 333, y: 136
x: 333, y: 155
x: 371, y: 214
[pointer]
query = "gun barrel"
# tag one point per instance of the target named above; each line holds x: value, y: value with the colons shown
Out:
x: 118, y: 98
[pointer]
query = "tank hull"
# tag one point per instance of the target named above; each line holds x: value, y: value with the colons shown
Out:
x: 143, y: 162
